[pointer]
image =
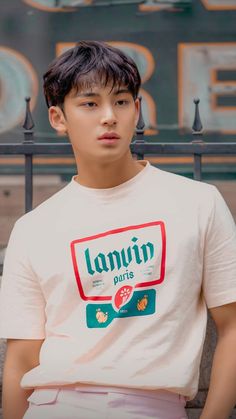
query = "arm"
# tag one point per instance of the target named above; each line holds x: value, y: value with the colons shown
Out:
x: 222, y: 390
x: 21, y: 356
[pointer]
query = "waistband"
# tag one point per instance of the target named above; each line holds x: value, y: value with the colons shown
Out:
x: 155, y: 394
x: 42, y: 395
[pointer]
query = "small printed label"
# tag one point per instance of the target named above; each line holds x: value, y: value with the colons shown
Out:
x: 142, y: 303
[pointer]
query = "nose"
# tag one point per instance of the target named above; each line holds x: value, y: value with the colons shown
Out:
x: 108, y: 116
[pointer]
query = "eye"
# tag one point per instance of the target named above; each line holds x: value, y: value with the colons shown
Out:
x: 89, y: 104
x: 122, y: 102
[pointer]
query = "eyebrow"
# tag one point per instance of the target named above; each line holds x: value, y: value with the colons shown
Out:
x: 92, y: 94
x: 117, y: 92
x: 88, y: 94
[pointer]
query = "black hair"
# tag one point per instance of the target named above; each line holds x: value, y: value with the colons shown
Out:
x: 87, y: 64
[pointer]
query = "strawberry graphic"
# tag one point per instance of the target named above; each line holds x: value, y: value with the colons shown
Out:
x: 123, y: 295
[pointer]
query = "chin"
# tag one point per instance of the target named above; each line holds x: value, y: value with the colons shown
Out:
x: 110, y: 157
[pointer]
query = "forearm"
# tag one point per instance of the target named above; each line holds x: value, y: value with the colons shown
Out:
x: 14, y: 399
x: 21, y: 356
x: 221, y: 396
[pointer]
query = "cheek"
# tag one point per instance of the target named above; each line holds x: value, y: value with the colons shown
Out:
x: 77, y: 123
x: 132, y: 125
x: 129, y: 120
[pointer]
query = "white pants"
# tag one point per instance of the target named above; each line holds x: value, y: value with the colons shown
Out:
x: 106, y: 403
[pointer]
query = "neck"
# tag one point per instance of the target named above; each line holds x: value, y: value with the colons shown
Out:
x: 107, y: 175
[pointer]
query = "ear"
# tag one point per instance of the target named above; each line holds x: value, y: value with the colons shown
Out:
x: 57, y: 119
x: 137, y: 110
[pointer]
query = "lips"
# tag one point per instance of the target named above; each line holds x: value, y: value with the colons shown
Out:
x: 109, y: 136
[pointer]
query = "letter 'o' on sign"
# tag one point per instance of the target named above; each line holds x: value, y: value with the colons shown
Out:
x: 17, y: 80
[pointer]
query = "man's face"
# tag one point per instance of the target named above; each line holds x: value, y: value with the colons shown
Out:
x: 100, y: 122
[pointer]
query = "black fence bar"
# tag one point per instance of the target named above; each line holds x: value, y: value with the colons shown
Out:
x: 28, y: 182
x: 136, y: 148
x: 197, y: 167
x: 28, y: 140
x: 140, y: 157
x: 139, y: 138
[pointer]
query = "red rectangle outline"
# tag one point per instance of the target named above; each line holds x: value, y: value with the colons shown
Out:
x: 139, y: 285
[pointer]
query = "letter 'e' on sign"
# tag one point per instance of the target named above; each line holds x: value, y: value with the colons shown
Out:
x: 208, y: 71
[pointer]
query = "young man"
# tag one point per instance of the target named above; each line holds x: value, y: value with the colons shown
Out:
x: 106, y: 284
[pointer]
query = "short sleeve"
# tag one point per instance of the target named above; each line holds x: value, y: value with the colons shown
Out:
x: 219, y: 268
x: 22, y: 304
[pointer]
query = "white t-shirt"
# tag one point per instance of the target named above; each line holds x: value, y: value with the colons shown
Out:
x: 117, y: 281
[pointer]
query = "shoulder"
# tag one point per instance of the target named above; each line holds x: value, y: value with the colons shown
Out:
x: 178, y: 184
x: 196, y: 200
x: 47, y: 211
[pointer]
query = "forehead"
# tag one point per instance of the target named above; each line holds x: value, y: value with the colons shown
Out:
x: 98, y: 81
x: 99, y: 90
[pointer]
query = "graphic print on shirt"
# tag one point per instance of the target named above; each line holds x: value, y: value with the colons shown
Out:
x: 116, y: 271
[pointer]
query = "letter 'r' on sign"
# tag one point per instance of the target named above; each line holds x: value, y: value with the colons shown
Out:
x: 208, y: 71
x: 219, y: 4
